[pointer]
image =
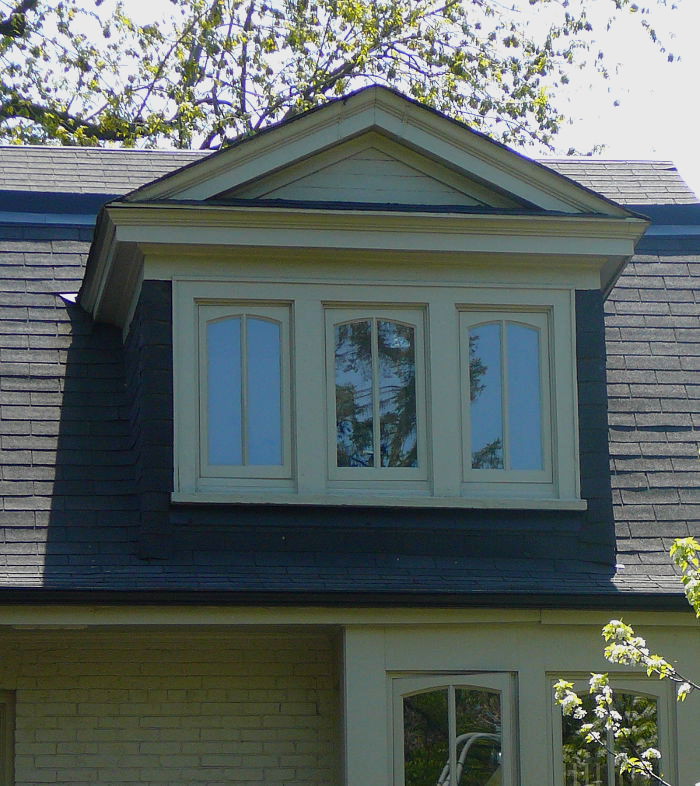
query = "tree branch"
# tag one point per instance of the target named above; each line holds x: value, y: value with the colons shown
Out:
x: 15, y: 23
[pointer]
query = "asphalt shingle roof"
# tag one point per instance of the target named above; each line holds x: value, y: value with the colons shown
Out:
x: 68, y: 515
x: 117, y: 171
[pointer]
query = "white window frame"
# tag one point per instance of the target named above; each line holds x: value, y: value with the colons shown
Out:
x: 275, y: 313
x: 476, y: 480
x: 664, y: 694
x: 310, y: 475
x: 375, y: 477
x: 504, y: 683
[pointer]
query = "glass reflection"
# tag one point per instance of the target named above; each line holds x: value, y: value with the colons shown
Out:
x: 224, y: 392
x: 478, y: 742
x: 425, y: 731
x: 524, y: 398
x: 485, y: 392
x: 264, y: 411
x: 353, y: 394
x: 590, y: 765
x: 397, y: 394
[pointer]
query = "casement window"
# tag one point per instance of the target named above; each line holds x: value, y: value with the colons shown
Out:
x: 376, y: 382
x: 453, y: 729
x: 506, y: 396
x: 644, y: 708
x: 244, y: 382
x: 7, y: 737
x: 384, y: 394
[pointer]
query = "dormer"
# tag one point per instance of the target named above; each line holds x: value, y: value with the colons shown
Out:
x: 373, y: 305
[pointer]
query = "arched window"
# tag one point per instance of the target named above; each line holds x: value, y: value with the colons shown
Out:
x: 453, y: 730
x: 243, y: 408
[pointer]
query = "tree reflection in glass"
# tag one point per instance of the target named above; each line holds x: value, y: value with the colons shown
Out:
x: 375, y: 394
x: 485, y: 392
x: 476, y: 747
x: 591, y: 765
x: 426, y: 737
x: 354, y: 400
x: 397, y: 394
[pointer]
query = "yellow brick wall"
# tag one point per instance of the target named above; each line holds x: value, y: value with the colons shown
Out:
x: 175, y: 709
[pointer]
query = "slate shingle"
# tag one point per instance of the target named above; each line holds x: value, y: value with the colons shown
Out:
x: 68, y: 474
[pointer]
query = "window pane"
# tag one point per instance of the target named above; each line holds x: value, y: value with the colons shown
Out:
x: 583, y: 764
x: 425, y: 731
x: 639, y: 714
x: 586, y: 764
x: 397, y: 394
x: 478, y: 740
x: 264, y: 413
x: 524, y: 398
x: 353, y: 394
x: 485, y: 392
x: 224, y: 391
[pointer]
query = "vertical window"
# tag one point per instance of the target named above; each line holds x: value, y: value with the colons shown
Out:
x: 244, y: 380
x: 453, y: 734
x: 584, y: 764
x: 506, y: 395
x: 376, y: 394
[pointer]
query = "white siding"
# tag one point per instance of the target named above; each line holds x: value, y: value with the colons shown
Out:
x: 371, y: 175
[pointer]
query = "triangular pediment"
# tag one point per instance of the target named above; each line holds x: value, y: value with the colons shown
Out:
x: 379, y: 147
x: 372, y: 169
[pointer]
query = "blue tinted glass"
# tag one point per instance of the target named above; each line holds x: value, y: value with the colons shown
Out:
x: 354, y: 395
x: 264, y: 392
x: 485, y: 392
x: 397, y: 394
x: 524, y: 398
x: 224, y: 391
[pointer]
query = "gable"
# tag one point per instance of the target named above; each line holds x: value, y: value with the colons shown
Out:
x: 450, y: 148
x: 373, y: 169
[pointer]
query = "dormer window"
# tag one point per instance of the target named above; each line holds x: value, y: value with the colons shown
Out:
x: 376, y: 373
x: 507, y: 396
x: 374, y: 394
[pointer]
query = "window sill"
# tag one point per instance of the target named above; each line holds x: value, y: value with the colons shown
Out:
x: 367, y: 500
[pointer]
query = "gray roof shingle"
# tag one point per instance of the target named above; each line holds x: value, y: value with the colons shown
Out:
x: 69, y: 524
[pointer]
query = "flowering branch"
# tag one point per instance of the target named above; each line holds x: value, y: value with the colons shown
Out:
x: 604, y: 727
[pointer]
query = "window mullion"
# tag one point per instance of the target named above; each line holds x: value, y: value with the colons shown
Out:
x: 610, y: 758
x: 504, y: 395
x: 244, y: 389
x: 376, y: 457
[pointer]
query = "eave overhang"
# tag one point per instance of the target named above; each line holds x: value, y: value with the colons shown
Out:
x: 125, y: 231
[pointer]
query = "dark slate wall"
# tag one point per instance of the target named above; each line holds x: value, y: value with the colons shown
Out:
x: 216, y: 535
x: 148, y: 355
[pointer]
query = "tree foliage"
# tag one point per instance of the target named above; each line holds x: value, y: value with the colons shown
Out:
x: 602, y: 727
x: 81, y: 73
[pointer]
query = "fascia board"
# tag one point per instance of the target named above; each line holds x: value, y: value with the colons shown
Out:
x: 99, y: 263
x: 437, y: 136
x: 137, y: 222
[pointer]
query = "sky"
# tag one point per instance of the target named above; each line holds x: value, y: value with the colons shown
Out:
x: 657, y: 116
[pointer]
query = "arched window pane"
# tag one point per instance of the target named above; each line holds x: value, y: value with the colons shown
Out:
x: 397, y: 394
x: 524, y: 398
x: 478, y: 743
x: 264, y: 415
x: 426, y: 737
x: 354, y: 400
x: 485, y: 392
x: 224, y: 434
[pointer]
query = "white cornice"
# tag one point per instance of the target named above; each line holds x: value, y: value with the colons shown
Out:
x: 375, y: 109
x: 126, y: 231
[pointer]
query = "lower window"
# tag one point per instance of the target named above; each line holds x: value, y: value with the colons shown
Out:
x: 453, y: 730
x: 643, y: 712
